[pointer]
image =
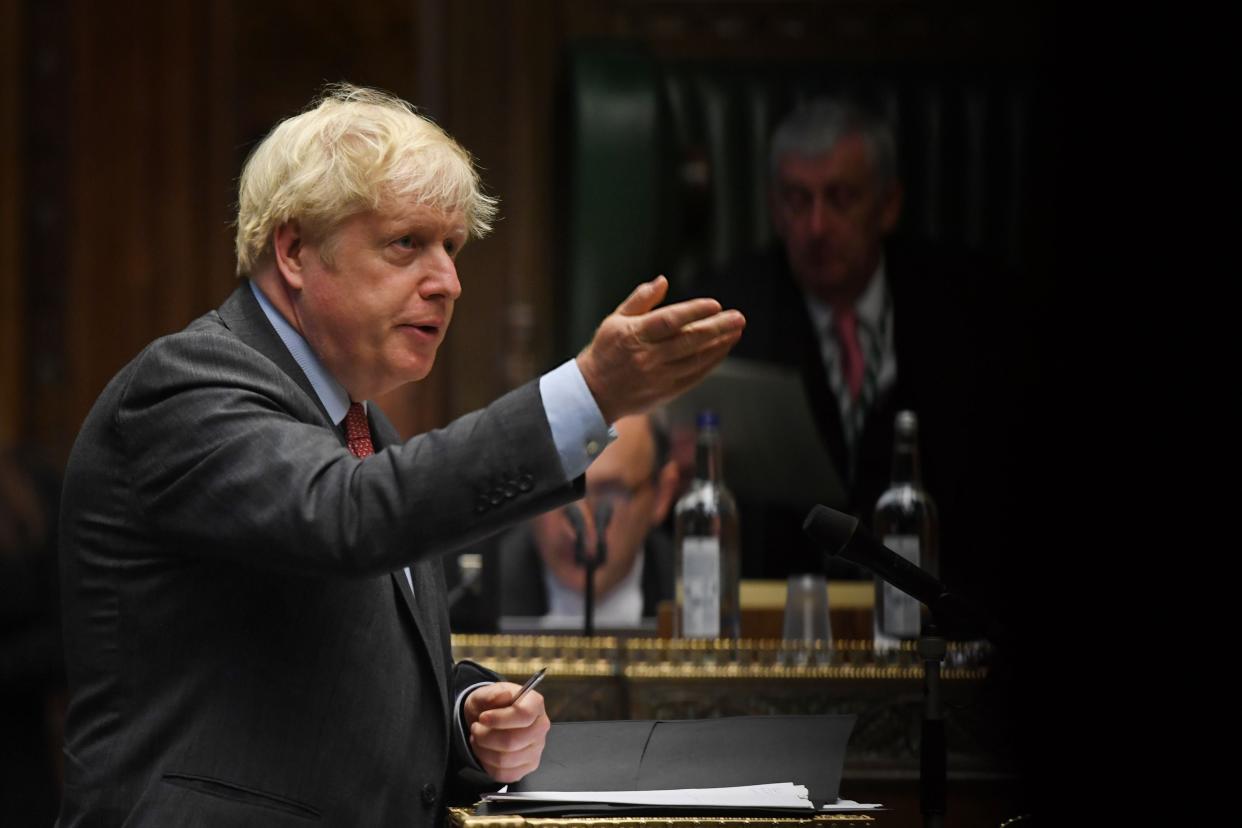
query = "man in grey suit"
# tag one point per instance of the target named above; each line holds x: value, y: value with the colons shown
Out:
x: 254, y: 610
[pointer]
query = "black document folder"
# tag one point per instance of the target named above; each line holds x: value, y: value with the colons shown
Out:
x: 700, y: 753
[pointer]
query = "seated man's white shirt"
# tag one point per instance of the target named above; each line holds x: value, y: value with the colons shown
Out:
x: 621, y: 607
x: 875, y: 333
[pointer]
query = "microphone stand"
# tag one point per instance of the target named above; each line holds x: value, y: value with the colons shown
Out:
x: 933, y: 747
x: 603, y: 514
x: 947, y: 611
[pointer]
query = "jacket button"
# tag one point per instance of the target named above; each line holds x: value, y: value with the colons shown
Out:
x: 497, y: 497
x: 429, y: 794
x: 526, y: 483
x: 481, y: 504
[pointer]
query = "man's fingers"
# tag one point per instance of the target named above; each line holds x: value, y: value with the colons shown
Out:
x: 644, y: 297
x: 507, y: 741
x: 509, y: 768
x: 493, y: 760
x: 696, y: 338
x: 493, y: 695
x: 508, y: 754
x: 489, y: 697
x: 625, y: 366
x: 523, y: 714
x: 689, y: 369
x: 667, y: 322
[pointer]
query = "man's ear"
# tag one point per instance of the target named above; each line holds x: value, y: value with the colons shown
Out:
x: 666, y: 490
x: 288, y: 250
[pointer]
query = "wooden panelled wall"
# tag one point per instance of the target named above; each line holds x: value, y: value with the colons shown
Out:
x: 126, y: 124
x: 11, y: 345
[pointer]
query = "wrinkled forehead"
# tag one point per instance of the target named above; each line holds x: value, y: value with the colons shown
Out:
x: 849, y: 159
x: 412, y: 212
x: 392, y: 219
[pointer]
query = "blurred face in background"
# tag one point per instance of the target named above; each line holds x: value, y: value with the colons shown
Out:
x: 624, y: 476
x: 833, y: 216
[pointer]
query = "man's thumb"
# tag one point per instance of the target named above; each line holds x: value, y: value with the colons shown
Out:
x: 645, y: 297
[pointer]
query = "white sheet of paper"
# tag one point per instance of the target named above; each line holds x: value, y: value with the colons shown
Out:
x: 850, y: 805
x: 772, y: 795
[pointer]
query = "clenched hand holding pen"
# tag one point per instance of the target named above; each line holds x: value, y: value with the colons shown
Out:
x: 507, y: 726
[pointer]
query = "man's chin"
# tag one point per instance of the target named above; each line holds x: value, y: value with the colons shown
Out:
x: 574, y: 579
x: 419, y: 369
x: 399, y: 379
x: 822, y: 280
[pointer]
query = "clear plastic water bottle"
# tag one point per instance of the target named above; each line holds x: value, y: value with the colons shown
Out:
x: 708, y: 560
x: 905, y: 522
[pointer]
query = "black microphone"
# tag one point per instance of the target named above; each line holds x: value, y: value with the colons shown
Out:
x: 839, y: 534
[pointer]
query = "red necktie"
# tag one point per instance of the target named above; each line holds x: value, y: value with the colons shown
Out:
x: 846, y: 322
x: 358, y: 431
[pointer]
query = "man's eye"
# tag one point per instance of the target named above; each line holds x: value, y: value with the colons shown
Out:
x: 797, y: 199
x: 450, y: 247
x: 842, y: 197
x: 406, y: 241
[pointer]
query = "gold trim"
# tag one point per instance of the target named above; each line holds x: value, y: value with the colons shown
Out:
x: 577, y: 657
x: 847, y: 672
x: 463, y: 818
x: 842, y: 595
x: 558, y: 668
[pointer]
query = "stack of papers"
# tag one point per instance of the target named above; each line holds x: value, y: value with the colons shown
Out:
x: 772, y: 795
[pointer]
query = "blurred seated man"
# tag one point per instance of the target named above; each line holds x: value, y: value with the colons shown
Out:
x: 873, y: 323
x: 538, y: 573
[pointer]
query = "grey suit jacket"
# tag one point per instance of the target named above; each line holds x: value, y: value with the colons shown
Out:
x: 242, y: 645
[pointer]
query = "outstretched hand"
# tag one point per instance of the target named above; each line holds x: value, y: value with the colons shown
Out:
x: 643, y: 355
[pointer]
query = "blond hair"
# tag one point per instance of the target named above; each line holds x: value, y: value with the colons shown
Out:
x: 349, y: 152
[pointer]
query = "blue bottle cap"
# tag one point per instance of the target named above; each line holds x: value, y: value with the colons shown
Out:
x: 707, y: 419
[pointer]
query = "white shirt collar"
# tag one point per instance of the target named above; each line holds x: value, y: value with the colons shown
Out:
x: 621, y: 607
x: 331, y: 393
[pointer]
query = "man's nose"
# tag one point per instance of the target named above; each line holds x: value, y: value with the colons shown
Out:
x: 441, y: 279
x: 817, y: 216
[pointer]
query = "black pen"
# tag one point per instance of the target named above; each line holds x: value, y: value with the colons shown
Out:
x: 529, y: 685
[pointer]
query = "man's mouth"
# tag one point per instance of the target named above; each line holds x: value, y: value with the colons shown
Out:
x: 428, y: 328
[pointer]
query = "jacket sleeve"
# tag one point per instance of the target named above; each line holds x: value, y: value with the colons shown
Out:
x: 466, y: 780
x: 227, y: 457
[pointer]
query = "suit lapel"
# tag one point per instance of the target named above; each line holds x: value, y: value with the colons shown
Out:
x: 243, y: 316
x: 427, y: 596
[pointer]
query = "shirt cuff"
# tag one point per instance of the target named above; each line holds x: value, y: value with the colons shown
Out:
x: 578, y: 427
x: 460, y: 721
